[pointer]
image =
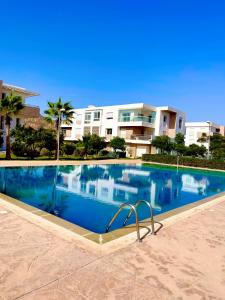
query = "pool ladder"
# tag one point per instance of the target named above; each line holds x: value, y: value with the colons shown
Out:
x: 133, y: 209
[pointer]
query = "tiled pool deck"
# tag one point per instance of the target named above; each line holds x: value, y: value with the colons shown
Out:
x: 186, y: 260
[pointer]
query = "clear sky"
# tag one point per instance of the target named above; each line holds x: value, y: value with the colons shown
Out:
x: 104, y: 52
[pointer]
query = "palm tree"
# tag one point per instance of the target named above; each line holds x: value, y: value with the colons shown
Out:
x: 9, y: 108
x: 55, y: 114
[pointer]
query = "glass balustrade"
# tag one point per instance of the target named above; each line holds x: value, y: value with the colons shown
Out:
x: 146, y: 119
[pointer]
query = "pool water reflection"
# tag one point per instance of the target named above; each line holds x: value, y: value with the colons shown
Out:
x: 89, y: 195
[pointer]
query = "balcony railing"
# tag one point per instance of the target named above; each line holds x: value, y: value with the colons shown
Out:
x: 141, y: 137
x: 145, y: 119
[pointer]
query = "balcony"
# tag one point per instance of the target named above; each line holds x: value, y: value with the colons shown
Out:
x: 145, y: 119
x: 141, y: 137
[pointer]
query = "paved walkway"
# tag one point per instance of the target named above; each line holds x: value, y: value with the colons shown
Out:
x: 24, y: 163
x: 186, y: 260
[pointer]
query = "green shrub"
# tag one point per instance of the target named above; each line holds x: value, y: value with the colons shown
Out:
x: 18, y: 149
x: 185, y: 161
x: 68, y: 148
x: 45, y: 152
x: 103, y: 152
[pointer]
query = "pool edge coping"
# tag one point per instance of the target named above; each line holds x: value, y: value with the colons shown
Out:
x: 111, y: 241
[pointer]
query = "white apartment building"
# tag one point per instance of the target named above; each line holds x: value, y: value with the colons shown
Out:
x: 137, y: 123
x: 29, y: 112
x: 195, y: 130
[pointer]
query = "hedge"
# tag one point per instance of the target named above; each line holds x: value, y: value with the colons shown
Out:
x: 185, y: 161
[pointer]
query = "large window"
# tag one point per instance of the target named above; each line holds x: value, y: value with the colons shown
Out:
x: 180, y: 123
x: 125, y: 117
x: 97, y: 115
x: 87, y: 118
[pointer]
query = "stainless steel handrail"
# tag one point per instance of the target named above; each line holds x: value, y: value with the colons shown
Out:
x: 132, y: 209
x: 151, y: 213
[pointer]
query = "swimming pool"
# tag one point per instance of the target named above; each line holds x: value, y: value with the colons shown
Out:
x: 89, y: 195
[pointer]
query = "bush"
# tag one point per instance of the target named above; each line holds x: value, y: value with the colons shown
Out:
x: 117, y: 143
x: 185, y: 161
x: 68, y: 148
x: 103, y: 152
x: 18, y: 149
x: 121, y: 154
x: 45, y: 152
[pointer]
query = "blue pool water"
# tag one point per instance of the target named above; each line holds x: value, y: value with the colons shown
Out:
x: 90, y: 195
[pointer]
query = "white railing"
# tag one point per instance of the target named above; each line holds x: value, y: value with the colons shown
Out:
x: 141, y: 137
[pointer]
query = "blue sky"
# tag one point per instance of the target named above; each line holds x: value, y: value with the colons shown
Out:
x: 118, y: 51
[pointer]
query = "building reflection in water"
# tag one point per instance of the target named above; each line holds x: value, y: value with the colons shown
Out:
x: 90, y: 195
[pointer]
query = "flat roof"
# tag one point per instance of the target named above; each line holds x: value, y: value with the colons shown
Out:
x: 129, y: 106
x: 202, y: 124
x: 120, y: 106
x: 25, y: 92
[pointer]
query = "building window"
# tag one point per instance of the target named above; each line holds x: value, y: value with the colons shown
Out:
x: 95, y: 130
x: 164, y: 119
x: 87, y: 118
x: 180, y: 123
x: 3, y: 95
x: 125, y: 117
x: 109, y: 131
x: 2, y: 122
x: 87, y: 130
x: 78, y: 119
x: 96, y: 115
x: 109, y: 115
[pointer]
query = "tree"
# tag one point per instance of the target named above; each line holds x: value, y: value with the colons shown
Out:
x: 217, y: 146
x: 204, y: 138
x: 196, y: 150
x: 68, y: 148
x: 10, y: 106
x: 1, y: 139
x: 56, y: 113
x: 96, y: 144
x: 91, y: 144
x: 179, y: 144
x: 47, y: 139
x: 26, y: 142
x: 163, y: 143
x: 117, y: 143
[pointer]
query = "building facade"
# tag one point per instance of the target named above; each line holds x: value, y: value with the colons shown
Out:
x: 137, y: 123
x: 195, y: 130
x: 29, y: 115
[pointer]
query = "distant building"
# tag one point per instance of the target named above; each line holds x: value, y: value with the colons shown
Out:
x: 30, y: 115
x: 195, y: 130
x: 137, y: 123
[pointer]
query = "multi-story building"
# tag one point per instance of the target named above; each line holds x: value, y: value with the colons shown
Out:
x: 195, y: 130
x: 29, y: 115
x: 137, y: 123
